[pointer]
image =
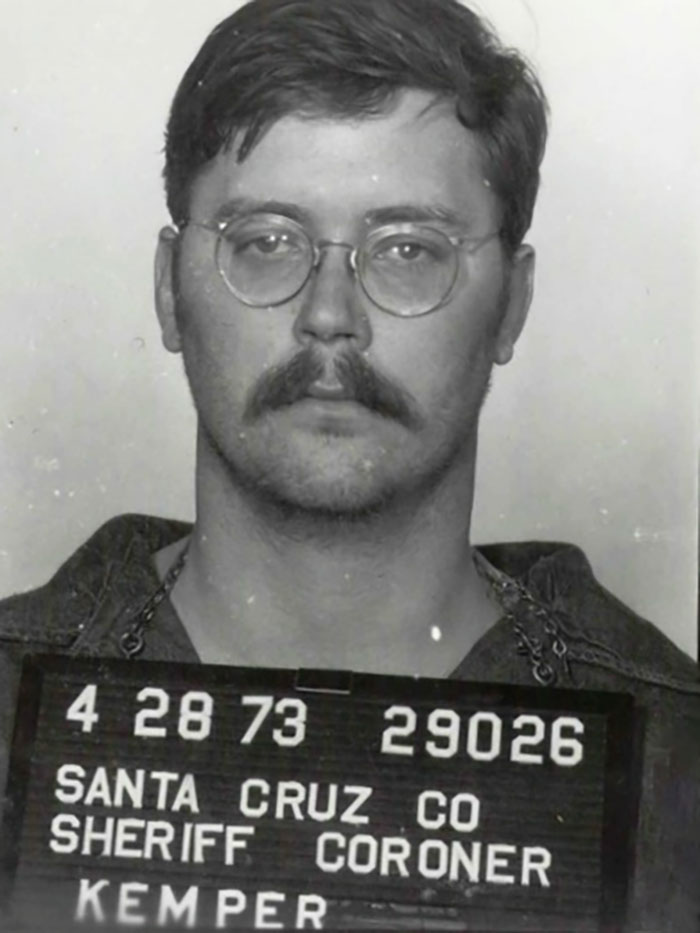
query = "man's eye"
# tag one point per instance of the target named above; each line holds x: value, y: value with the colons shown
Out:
x: 408, y: 251
x: 404, y: 252
x: 267, y: 244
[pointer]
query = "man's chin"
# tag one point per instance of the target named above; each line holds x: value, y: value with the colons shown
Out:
x: 331, y: 466
x: 329, y: 474
x: 348, y: 496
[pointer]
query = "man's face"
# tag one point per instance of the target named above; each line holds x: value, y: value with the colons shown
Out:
x: 329, y: 445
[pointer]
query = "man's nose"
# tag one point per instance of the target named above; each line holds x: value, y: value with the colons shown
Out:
x: 331, y: 303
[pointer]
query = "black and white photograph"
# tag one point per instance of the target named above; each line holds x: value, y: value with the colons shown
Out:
x: 349, y: 432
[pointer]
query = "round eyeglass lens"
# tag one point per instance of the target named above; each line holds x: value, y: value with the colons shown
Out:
x: 408, y: 271
x: 264, y: 260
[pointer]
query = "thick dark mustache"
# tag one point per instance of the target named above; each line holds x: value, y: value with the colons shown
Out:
x: 290, y: 382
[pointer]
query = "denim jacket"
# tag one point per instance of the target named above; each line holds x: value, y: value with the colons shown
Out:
x: 559, y: 628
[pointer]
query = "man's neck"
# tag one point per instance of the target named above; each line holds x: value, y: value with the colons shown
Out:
x: 392, y: 592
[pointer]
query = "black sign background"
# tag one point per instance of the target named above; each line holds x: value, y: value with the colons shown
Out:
x: 582, y: 815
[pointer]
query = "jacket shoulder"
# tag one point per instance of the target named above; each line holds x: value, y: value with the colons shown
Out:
x: 55, y: 613
x: 560, y: 576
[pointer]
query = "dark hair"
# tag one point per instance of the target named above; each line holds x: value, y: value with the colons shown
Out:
x: 350, y: 58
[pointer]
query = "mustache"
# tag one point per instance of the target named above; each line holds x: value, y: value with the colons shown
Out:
x: 290, y: 382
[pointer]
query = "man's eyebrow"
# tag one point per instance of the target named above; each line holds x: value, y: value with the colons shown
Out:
x: 237, y: 207
x: 416, y: 213
x: 395, y: 213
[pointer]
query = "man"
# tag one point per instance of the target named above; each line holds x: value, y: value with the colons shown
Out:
x: 350, y: 182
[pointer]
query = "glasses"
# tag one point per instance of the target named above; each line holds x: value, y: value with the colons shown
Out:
x: 406, y: 269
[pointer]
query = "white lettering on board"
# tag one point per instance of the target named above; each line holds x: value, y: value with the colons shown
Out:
x: 120, y: 787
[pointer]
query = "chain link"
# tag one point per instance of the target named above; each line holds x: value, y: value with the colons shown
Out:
x: 132, y: 642
x: 520, y: 606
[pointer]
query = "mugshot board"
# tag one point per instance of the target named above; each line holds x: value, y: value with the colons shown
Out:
x: 212, y: 797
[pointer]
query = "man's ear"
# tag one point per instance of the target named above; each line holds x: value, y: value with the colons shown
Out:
x: 165, y: 292
x: 522, y: 273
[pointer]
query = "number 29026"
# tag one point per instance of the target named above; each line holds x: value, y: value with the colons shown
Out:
x: 484, y: 736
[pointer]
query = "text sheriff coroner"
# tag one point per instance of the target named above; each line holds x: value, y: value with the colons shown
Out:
x: 189, y: 840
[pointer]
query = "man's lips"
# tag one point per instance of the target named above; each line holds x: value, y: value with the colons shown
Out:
x: 346, y: 378
x: 330, y: 392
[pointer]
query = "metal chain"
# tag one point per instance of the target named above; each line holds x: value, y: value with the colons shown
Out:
x: 516, y: 599
x: 132, y: 642
x: 519, y: 604
x: 528, y: 645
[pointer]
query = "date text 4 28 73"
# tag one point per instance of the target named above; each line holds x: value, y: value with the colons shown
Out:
x: 483, y: 735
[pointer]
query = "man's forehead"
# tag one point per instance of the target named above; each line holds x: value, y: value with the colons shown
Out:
x: 415, y: 158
